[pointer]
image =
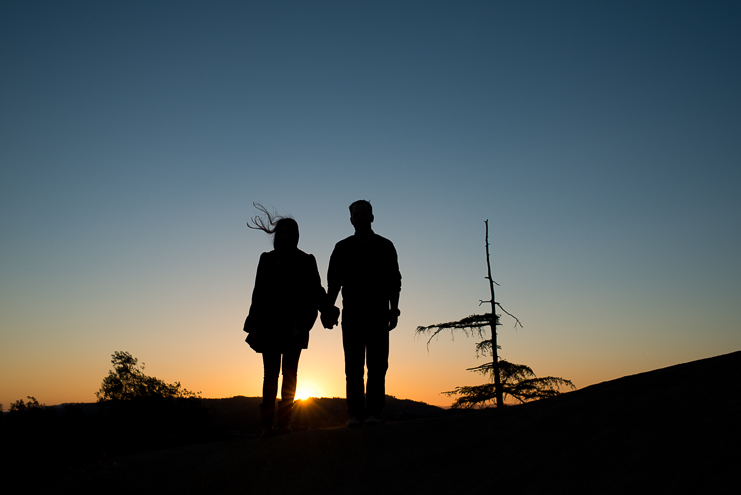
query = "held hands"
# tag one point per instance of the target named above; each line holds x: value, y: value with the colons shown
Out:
x: 330, y: 317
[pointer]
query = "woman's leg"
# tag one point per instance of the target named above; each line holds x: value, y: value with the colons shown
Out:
x: 290, y: 374
x: 288, y: 389
x: 271, y: 369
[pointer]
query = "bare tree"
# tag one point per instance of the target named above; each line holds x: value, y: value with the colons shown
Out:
x: 514, y: 380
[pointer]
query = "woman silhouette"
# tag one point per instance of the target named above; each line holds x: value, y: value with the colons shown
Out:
x: 288, y: 292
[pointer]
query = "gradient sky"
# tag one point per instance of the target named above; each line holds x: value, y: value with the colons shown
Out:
x: 602, y: 141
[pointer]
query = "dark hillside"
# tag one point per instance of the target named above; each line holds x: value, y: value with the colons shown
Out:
x: 674, y: 430
x: 241, y: 415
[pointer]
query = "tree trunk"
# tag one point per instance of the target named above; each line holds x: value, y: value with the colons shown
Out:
x: 493, y: 325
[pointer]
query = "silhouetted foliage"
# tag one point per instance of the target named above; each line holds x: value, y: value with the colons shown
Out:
x: 514, y: 380
x: 21, y: 406
x: 31, y: 436
x: 517, y: 380
x: 134, y: 413
x: 127, y: 381
x: 140, y: 412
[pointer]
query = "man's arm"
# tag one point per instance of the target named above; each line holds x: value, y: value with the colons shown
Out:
x: 331, y: 316
x: 394, y: 302
x: 395, y: 289
x: 333, y: 290
x: 394, y: 311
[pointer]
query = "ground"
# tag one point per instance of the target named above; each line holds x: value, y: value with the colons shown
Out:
x: 674, y: 430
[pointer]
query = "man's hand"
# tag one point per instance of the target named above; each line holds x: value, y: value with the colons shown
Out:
x: 330, y: 317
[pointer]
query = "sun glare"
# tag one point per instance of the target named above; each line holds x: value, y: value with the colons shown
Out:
x: 303, y: 392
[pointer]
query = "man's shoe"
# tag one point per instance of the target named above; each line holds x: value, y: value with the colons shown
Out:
x: 372, y: 420
x: 353, y: 421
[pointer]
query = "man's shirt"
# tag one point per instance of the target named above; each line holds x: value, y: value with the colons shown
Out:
x: 366, y: 267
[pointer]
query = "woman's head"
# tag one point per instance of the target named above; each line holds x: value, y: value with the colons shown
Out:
x: 284, y: 229
x: 285, y: 234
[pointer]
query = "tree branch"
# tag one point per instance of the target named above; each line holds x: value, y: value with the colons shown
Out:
x: 470, y: 324
x: 510, y: 314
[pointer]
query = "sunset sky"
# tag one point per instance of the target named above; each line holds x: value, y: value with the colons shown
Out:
x: 602, y: 141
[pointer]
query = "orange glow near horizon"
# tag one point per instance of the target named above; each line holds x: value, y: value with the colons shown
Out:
x: 304, y: 391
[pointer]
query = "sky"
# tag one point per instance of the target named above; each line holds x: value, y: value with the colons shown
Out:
x: 599, y: 139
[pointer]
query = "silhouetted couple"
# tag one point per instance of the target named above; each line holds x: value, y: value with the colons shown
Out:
x: 288, y: 293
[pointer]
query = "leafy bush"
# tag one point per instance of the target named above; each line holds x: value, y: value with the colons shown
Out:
x: 127, y: 381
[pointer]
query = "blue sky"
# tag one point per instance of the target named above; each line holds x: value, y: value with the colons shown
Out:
x: 600, y: 139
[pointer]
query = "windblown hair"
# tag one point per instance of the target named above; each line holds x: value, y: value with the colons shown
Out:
x: 266, y: 222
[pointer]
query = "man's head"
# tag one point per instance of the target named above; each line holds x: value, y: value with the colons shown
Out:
x: 361, y: 215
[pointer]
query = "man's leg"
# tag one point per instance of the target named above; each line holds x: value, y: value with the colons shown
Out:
x: 378, y: 364
x: 353, y: 344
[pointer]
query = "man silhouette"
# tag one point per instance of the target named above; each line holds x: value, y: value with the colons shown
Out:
x: 366, y: 268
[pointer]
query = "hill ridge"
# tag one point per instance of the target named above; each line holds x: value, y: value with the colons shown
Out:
x: 662, y: 431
